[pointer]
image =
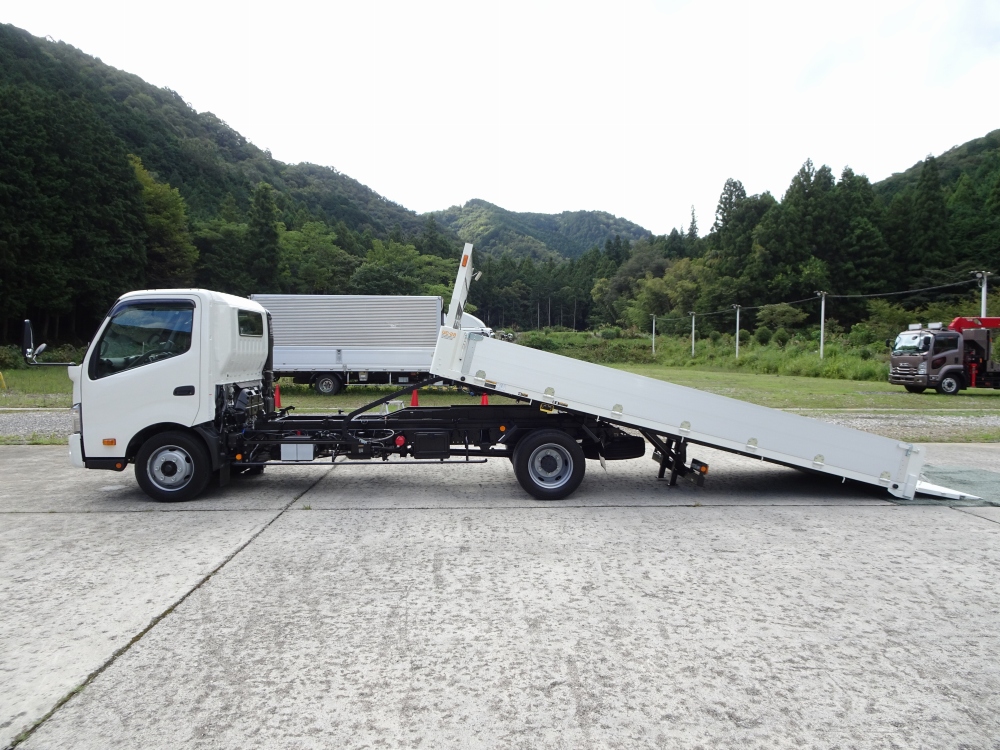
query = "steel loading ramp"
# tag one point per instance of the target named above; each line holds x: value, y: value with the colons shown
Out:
x: 672, y: 410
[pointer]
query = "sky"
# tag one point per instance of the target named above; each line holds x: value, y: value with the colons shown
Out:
x: 642, y: 109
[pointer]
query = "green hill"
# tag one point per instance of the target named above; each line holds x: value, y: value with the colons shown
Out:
x: 978, y: 158
x: 568, y: 234
x: 197, y: 153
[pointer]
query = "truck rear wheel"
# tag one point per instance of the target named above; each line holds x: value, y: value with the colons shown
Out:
x: 172, y: 467
x: 549, y: 464
x: 328, y: 384
x: 950, y: 385
x: 915, y: 388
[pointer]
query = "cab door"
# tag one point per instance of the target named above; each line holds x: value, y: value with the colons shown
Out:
x: 142, y: 370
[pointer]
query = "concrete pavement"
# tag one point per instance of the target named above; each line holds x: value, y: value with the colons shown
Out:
x: 439, y: 606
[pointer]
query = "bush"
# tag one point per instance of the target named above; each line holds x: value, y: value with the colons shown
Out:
x: 537, y: 340
x: 744, y: 336
x: 781, y: 337
x: 11, y: 359
x: 763, y: 335
x: 715, y: 336
x: 610, y: 333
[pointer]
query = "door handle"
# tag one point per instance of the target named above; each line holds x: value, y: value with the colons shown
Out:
x: 184, y: 390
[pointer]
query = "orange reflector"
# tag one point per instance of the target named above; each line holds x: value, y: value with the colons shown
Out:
x: 703, y: 468
x: 109, y: 441
x: 118, y: 465
x: 239, y: 456
x: 503, y: 428
x: 465, y: 261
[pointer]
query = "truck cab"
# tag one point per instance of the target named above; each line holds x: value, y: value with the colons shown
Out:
x: 948, y: 359
x: 153, y: 381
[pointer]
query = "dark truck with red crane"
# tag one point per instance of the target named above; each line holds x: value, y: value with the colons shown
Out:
x: 948, y: 359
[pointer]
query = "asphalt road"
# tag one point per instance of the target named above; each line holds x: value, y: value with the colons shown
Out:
x: 441, y: 607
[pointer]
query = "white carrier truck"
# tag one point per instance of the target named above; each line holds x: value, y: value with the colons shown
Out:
x: 180, y: 383
x: 334, y: 340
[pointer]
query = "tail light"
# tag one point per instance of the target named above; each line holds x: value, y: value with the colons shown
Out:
x: 77, y: 412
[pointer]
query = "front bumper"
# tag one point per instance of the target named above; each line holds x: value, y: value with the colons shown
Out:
x: 76, y: 450
x: 917, y: 380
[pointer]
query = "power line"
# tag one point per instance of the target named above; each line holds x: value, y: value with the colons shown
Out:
x: 908, y: 291
x: 832, y: 296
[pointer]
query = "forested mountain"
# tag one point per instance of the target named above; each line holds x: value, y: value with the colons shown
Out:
x: 109, y: 184
x: 540, y: 236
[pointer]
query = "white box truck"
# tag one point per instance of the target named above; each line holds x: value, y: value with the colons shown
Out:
x: 180, y: 383
x: 331, y: 341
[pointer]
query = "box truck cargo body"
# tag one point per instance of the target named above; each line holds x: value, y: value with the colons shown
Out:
x: 334, y: 340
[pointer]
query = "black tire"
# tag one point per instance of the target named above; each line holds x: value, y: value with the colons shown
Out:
x: 173, y: 467
x: 950, y: 385
x: 549, y: 464
x: 328, y: 384
x: 915, y: 388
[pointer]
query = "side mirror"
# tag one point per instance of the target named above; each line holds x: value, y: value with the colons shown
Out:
x: 30, y: 351
x: 888, y: 343
x: 28, y: 347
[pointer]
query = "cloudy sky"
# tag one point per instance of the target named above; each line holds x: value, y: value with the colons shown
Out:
x: 642, y: 108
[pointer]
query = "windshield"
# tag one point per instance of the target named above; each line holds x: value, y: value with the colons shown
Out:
x: 911, y: 343
x: 143, y: 333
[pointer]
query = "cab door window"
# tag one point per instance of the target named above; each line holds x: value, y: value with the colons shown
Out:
x: 142, y: 333
x: 945, y: 344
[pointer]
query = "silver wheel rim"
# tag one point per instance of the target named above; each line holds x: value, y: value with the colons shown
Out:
x: 949, y: 385
x: 324, y: 385
x: 550, y: 466
x: 170, y: 468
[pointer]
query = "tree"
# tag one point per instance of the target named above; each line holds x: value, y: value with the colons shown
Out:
x: 71, y: 211
x: 930, y: 223
x: 170, y: 256
x: 432, y: 242
x: 732, y: 195
x: 263, y: 236
x: 781, y: 315
x: 389, y: 268
x: 312, y: 263
x: 692, y: 233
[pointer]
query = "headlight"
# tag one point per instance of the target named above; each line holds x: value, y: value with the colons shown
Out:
x: 77, y: 419
x: 922, y: 368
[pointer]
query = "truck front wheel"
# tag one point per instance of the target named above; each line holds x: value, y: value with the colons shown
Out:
x: 915, y: 388
x: 172, y: 467
x: 328, y: 384
x: 950, y: 385
x: 549, y: 464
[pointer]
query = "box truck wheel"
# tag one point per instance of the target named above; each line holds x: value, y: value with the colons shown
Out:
x: 328, y: 384
x: 915, y: 388
x: 172, y: 466
x: 950, y: 385
x: 549, y: 464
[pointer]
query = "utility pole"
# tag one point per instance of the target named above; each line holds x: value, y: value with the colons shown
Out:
x: 692, y: 314
x: 983, y: 277
x: 737, y: 331
x: 654, y: 334
x: 574, y: 311
x: 550, y: 312
x: 538, y: 316
x: 822, y: 321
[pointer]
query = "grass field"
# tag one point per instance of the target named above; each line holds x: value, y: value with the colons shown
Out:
x: 49, y: 387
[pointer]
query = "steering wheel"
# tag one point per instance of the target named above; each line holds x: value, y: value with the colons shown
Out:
x: 152, y: 355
